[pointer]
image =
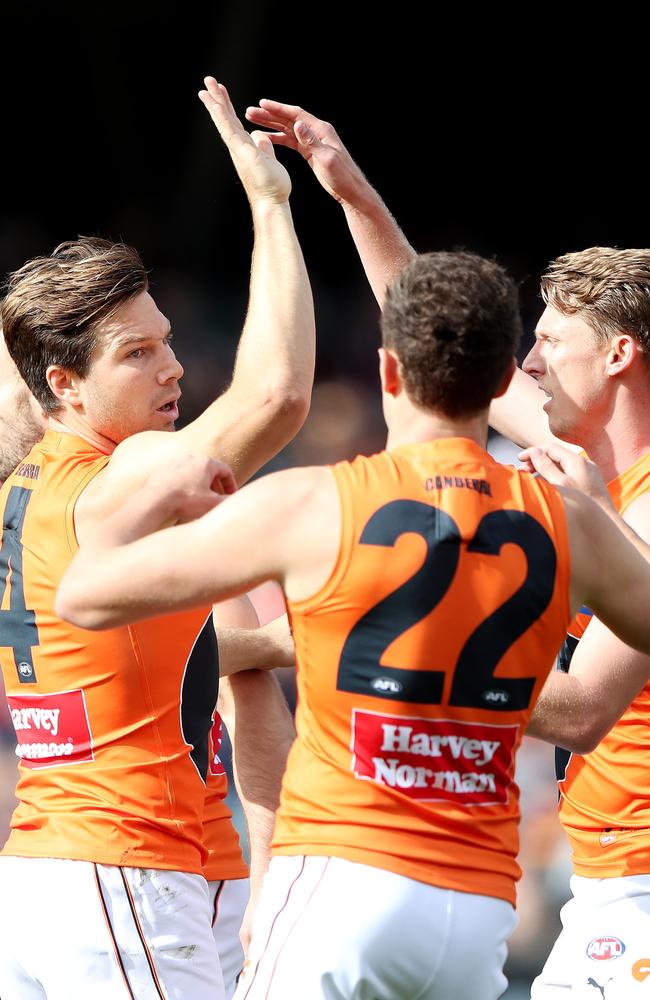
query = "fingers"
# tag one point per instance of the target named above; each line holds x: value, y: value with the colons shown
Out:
x: 217, y: 101
x: 539, y: 460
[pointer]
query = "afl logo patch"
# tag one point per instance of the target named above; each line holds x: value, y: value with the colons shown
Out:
x: 386, y: 685
x: 602, y: 949
x: 25, y: 669
x: 495, y: 696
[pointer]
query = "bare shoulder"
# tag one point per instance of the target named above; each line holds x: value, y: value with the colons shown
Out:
x: 301, y: 491
x: 126, y: 471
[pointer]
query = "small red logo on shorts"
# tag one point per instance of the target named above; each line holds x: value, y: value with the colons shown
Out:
x: 641, y: 969
x: 602, y: 949
x: 51, y: 729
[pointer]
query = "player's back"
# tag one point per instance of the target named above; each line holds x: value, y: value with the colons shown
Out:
x: 419, y: 663
x: 110, y: 769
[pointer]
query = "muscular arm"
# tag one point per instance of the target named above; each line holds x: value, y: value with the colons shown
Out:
x: 268, y: 399
x: 576, y: 710
x: 381, y: 244
x: 285, y: 527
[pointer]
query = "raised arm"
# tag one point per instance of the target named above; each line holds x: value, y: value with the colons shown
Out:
x: 382, y: 246
x: 268, y: 398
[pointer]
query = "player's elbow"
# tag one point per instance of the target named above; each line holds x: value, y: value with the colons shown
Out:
x: 585, y: 738
x: 289, y: 405
x: 74, y: 604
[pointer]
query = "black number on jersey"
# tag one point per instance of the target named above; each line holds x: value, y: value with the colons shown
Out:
x: 474, y: 685
x: 17, y: 623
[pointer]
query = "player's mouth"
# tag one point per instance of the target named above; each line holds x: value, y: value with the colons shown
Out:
x: 170, y: 408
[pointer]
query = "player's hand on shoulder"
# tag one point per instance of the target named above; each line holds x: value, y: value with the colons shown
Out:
x: 564, y: 467
x: 196, y: 484
x: 264, y: 179
x: 318, y: 142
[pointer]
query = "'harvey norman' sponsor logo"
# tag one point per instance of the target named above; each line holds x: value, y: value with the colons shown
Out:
x: 51, y: 729
x: 36, y: 718
x: 462, y: 762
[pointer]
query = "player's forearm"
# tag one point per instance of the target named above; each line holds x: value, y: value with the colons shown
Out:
x: 381, y: 244
x: 261, y: 731
x: 262, y: 648
x: 276, y: 353
x: 561, y: 715
x: 519, y: 414
x: 577, y: 712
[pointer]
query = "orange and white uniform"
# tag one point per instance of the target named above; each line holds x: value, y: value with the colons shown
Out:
x: 604, y: 799
x: 419, y: 663
x: 605, y: 812
x: 112, y: 728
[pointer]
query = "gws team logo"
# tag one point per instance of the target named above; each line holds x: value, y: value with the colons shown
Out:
x: 386, y: 684
x: 602, y: 949
x: 641, y: 969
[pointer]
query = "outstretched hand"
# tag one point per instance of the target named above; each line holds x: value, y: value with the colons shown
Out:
x: 264, y: 179
x: 319, y: 144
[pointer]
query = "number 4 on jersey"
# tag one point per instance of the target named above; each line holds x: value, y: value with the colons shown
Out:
x: 17, y: 623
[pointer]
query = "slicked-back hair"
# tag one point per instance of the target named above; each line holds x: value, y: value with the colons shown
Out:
x: 607, y: 287
x: 53, y: 304
x: 453, y: 320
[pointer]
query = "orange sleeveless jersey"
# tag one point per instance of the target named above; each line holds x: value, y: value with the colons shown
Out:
x: 419, y: 663
x: 604, y: 798
x: 112, y: 728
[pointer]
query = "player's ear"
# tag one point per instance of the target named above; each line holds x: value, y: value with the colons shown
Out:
x: 389, y: 371
x: 623, y: 351
x: 507, y: 379
x: 64, y: 384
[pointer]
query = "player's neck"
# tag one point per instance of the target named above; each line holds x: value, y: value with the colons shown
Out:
x: 412, y: 425
x: 68, y: 422
x: 623, y: 436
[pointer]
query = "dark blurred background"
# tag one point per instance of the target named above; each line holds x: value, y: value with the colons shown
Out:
x: 516, y: 134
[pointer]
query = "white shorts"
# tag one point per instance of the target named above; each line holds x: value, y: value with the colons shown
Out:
x: 604, y: 947
x: 228, y: 901
x: 74, y: 930
x: 327, y: 928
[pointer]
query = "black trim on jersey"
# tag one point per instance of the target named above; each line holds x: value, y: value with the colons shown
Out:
x: 199, y: 696
x: 562, y: 756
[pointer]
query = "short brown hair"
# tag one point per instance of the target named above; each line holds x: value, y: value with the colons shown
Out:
x: 609, y: 288
x: 453, y: 320
x: 53, y: 304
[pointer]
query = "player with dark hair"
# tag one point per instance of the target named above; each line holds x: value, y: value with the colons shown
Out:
x: 117, y: 735
x: 591, y: 361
